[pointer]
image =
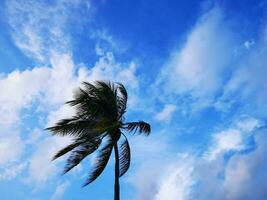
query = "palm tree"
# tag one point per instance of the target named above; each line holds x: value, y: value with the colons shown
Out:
x: 98, y: 125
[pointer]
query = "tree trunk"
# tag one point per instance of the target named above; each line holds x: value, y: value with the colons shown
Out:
x: 117, y: 173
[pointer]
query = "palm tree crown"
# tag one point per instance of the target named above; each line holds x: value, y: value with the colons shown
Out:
x: 97, y: 125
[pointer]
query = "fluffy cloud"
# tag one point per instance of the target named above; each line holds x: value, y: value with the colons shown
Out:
x: 196, y: 71
x: 11, y: 149
x: 234, y: 138
x: 189, y: 176
x: 49, y: 88
x: 178, y: 184
x: 245, y: 173
x: 151, y: 154
x: 20, y: 89
x: 41, y: 159
x: 239, y: 178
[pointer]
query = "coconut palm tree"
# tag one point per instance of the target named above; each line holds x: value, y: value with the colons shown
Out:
x: 98, y: 125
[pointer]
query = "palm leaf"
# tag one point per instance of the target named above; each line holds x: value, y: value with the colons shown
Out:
x: 73, y: 127
x: 86, y: 103
x: 79, y: 153
x: 65, y: 150
x: 101, y: 162
x: 141, y: 127
x: 125, y: 157
x: 122, y: 100
x: 107, y: 94
x: 80, y: 96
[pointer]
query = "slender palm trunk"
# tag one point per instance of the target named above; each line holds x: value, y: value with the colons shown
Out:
x: 117, y: 174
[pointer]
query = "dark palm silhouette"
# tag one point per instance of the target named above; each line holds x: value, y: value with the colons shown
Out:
x: 97, y: 125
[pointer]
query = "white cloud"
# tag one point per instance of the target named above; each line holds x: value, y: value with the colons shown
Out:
x: 20, y: 89
x: 42, y: 159
x: 11, y: 149
x: 234, y: 138
x: 158, y: 172
x: 151, y: 154
x: 105, y: 42
x: 248, y: 44
x: 49, y: 88
x: 176, y: 185
x: 229, y: 168
x: 245, y: 175
x: 248, y: 124
x: 168, y: 176
x: 197, y: 69
x: 211, y: 70
x: 12, y: 171
x: 106, y: 68
x: 38, y: 27
x: 59, y: 86
x: 163, y: 176
x: 58, y: 89
x: 60, y: 189
x: 226, y: 140
x: 166, y: 113
x: 247, y: 80
x: 242, y: 177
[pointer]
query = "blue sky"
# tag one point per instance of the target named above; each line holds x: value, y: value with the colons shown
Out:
x: 195, y: 70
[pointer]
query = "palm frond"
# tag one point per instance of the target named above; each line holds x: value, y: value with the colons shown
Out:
x: 80, y: 152
x: 100, y: 99
x: 107, y: 93
x: 65, y: 150
x: 122, y: 100
x: 101, y: 162
x: 141, y: 127
x: 80, y: 96
x: 125, y: 157
x: 73, y: 127
x: 90, y: 89
x: 86, y: 103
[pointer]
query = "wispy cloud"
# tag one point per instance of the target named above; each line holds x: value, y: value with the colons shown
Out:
x: 39, y: 28
x: 10, y: 172
x: 60, y: 189
x: 166, y: 113
x: 248, y: 81
x: 196, y: 70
